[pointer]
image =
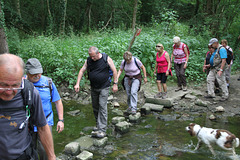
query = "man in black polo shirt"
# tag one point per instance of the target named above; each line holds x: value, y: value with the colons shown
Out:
x: 98, y: 74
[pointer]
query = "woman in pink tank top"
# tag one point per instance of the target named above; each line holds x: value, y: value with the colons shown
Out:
x: 163, y: 69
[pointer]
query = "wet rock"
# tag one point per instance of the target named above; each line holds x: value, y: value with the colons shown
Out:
x: 153, y: 107
x: 220, y: 109
x: 116, y: 120
x: 197, y: 93
x: 212, y: 117
x: 108, y: 149
x: 64, y: 157
x: 74, y: 113
x: 85, y: 155
x: 72, y: 148
x: 85, y: 142
x: 135, y: 118
x: 201, y: 103
x: 145, y: 109
x: 122, y: 127
x: 191, y: 97
x: 115, y: 104
x: 148, y: 126
x: 117, y: 112
x: 167, y: 117
x: 110, y: 98
x: 165, y: 102
x: 100, y: 142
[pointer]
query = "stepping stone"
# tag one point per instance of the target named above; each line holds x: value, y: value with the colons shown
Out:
x: 85, y: 155
x: 100, y: 142
x: 85, y: 142
x: 122, y: 127
x: 145, y: 109
x: 135, y: 118
x: 116, y: 120
x: 72, y: 148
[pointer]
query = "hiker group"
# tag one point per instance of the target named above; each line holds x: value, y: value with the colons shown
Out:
x: 26, y: 115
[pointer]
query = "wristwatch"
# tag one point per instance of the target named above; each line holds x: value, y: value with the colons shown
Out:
x: 62, y: 120
x: 220, y: 69
x: 115, y: 82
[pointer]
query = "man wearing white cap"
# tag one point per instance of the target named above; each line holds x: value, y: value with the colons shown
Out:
x: 217, y: 70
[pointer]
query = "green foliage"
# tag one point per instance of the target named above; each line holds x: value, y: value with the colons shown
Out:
x: 62, y: 58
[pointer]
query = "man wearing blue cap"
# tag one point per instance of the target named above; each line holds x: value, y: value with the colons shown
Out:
x: 217, y: 70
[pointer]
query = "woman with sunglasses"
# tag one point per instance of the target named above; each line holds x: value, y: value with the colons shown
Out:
x: 163, y: 69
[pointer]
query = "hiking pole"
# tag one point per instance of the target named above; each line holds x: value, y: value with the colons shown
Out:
x: 137, y: 33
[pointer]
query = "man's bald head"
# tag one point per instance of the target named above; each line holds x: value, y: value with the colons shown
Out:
x: 11, y: 63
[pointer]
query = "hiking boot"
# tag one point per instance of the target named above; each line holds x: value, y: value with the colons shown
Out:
x: 94, y: 133
x: 95, y: 128
x: 164, y: 95
x: 101, y: 134
x: 158, y: 95
x: 129, y: 110
x: 184, y: 88
x: 178, y: 89
x: 209, y: 96
x: 133, y: 112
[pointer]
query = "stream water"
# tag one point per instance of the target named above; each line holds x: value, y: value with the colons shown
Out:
x: 150, y: 139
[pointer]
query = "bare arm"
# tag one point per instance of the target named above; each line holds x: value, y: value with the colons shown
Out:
x: 169, y: 63
x: 144, y: 73
x: 47, y: 141
x: 115, y: 79
x: 119, y: 73
x: 80, y: 74
x: 222, y: 66
x: 187, y: 56
x: 59, y: 107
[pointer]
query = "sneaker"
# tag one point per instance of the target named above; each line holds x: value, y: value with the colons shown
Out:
x: 238, y: 79
x: 184, y: 88
x: 164, y: 95
x: 101, y: 134
x: 178, y: 89
x: 209, y: 96
x: 158, y: 95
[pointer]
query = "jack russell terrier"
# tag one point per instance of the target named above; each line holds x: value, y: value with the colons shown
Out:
x: 223, y: 138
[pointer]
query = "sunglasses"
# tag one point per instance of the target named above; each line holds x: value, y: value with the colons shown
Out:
x: 158, y: 46
x: 8, y: 89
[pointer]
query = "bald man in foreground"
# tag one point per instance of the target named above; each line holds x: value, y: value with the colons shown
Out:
x: 15, y: 138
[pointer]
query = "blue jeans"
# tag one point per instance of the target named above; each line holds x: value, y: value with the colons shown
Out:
x: 132, y: 92
x: 99, y: 104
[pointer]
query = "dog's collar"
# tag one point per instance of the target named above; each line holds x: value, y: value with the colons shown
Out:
x: 198, y: 132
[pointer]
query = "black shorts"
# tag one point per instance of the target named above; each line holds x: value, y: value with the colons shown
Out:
x: 162, y: 77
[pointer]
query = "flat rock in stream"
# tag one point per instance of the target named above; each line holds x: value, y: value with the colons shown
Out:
x: 168, y: 102
x: 85, y: 142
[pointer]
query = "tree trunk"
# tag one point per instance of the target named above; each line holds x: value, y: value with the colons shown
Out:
x: 63, y: 4
x: 134, y: 15
x: 43, y: 14
x: 18, y: 8
x: 3, y: 38
x: 197, y: 7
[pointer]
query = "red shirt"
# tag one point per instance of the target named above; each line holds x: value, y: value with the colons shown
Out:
x: 162, y: 64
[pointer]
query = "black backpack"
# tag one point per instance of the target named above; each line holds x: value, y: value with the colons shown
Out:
x: 229, y: 55
x: 105, y: 56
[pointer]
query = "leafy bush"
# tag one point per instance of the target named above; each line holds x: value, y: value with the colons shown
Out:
x: 62, y: 57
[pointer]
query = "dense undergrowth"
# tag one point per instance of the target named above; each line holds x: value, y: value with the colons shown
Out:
x: 62, y: 57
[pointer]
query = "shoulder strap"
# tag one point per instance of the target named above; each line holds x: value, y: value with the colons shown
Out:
x: 136, y: 63
x: 50, y: 86
x: 27, y: 93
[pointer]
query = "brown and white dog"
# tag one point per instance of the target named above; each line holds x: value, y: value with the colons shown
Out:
x: 223, y: 138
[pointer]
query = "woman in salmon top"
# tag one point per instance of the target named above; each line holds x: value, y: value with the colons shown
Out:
x: 163, y: 69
